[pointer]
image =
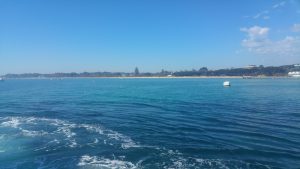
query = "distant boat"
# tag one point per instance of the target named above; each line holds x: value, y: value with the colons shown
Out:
x: 1, y: 79
x: 226, y: 84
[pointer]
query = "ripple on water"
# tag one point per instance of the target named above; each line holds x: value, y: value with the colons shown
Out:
x: 63, y: 132
x: 56, y: 134
x: 96, y: 162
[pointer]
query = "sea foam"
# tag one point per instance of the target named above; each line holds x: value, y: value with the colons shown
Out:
x: 65, y: 131
x: 101, y: 162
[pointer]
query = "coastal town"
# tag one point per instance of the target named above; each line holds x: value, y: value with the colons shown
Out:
x: 250, y: 71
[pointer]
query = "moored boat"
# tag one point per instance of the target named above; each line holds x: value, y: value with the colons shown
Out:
x: 226, y: 84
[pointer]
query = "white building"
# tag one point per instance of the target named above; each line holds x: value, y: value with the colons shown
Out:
x: 294, y: 74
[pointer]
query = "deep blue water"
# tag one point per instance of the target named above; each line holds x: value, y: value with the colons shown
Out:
x: 150, y: 123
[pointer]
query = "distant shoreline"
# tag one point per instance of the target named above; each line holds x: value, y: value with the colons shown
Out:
x: 162, y: 77
x: 187, y: 77
x: 204, y: 72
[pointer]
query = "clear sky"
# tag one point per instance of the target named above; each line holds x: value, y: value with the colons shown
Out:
x: 48, y: 36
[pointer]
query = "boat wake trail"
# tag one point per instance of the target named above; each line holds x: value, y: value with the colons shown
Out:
x: 52, y: 143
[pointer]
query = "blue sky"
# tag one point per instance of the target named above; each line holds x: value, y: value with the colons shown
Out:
x: 90, y: 35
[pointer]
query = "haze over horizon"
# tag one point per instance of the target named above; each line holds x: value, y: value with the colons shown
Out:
x: 77, y: 36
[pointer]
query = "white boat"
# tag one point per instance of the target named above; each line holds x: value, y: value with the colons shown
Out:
x: 1, y: 79
x: 226, y: 84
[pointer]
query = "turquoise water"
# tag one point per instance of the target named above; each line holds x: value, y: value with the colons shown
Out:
x: 150, y: 123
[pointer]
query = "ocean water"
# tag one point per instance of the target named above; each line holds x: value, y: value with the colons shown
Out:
x: 150, y: 123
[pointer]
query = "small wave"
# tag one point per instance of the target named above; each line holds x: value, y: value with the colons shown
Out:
x: 95, y: 161
x: 183, y: 163
x: 12, y: 122
x: 215, y: 164
x: 174, y: 162
x: 59, y: 133
x: 33, y: 133
x: 177, y: 160
x: 127, y: 142
x: 65, y: 132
